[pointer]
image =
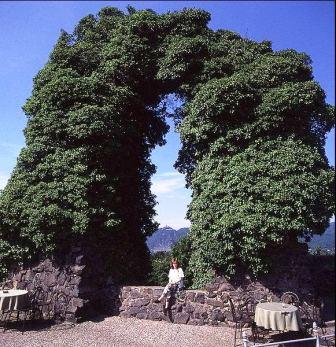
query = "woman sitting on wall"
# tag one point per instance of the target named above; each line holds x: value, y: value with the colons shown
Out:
x: 175, y: 283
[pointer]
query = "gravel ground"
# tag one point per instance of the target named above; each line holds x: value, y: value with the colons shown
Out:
x: 121, y: 332
x: 130, y: 332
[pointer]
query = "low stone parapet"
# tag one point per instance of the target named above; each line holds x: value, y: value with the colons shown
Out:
x: 87, y: 289
x: 140, y: 302
x: 198, y: 307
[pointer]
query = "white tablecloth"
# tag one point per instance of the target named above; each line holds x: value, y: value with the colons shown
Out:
x: 14, y: 299
x: 278, y: 316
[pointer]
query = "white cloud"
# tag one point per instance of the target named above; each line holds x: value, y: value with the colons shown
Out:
x: 172, y: 199
x: 167, y: 182
x: 3, y: 180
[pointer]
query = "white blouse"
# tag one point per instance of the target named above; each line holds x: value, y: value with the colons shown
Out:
x: 175, y: 275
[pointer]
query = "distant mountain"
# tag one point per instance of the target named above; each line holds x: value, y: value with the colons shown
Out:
x: 326, y: 240
x: 165, y: 238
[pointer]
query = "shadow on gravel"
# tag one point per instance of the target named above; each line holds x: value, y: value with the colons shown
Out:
x: 293, y: 335
x: 45, y: 324
x: 95, y: 319
x: 277, y: 337
x: 29, y: 326
x: 37, y: 325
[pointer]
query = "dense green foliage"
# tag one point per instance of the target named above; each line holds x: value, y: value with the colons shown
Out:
x: 160, y: 265
x: 253, y: 153
x: 85, y: 173
x: 182, y: 252
x: 93, y: 119
x: 252, y: 127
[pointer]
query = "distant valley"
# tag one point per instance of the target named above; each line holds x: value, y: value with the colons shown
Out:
x: 165, y: 238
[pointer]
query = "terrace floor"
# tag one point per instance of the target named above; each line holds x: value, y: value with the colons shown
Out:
x: 121, y: 332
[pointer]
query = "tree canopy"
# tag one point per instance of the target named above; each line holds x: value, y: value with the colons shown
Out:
x: 252, y: 126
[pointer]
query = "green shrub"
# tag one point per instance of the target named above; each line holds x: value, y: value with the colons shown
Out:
x: 160, y: 263
x: 182, y: 251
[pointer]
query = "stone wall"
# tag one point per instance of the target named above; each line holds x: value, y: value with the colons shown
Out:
x: 200, y: 307
x: 88, y: 290
x: 211, y: 306
x: 73, y: 284
x: 293, y: 272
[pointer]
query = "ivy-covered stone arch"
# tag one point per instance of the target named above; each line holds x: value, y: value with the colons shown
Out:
x: 252, y: 128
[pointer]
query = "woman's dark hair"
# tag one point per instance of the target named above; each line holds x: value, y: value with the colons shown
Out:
x: 174, y: 260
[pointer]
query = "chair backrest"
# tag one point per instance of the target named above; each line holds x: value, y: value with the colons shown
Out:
x: 311, y: 310
x: 317, y: 311
x: 61, y: 304
x: 306, y: 312
x: 233, y: 309
x: 290, y: 298
x: 39, y: 296
x: 245, y: 307
x: 249, y: 306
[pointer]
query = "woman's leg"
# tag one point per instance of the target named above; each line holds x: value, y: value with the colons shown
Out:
x: 165, y: 291
x: 171, y: 292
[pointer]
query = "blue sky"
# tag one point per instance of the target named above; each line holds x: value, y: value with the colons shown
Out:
x: 29, y: 30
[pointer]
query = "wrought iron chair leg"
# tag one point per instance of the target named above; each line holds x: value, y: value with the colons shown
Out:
x: 235, y: 336
x: 9, y: 317
x: 253, y: 330
x: 4, y: 317
x: 5, y: 321
x: 24, y: 321
x: 241, y: 330
x: 329, y: 342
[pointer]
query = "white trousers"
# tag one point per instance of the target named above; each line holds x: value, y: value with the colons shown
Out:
x: 168, y: 288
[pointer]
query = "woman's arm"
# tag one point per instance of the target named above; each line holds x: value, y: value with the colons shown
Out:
x: 170, y: 276
x: 181, y: 274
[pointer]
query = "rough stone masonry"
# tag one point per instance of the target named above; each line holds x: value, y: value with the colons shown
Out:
x: 76, y: 287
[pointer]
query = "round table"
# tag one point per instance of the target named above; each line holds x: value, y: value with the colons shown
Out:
x: 278, y: 316
x: 12, y: 299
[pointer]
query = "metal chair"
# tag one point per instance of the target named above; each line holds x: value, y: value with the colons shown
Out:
x: 311, y: 310
x: 4, y: 319
x: 13, y: 315
x: 43, y: 302
x: 32, y: 307
x: 243, y: 314
x: 5, y: 313
x: 38, y: 303
x: 61, y: 309
x: 328, y: 341
x: 290, y: 298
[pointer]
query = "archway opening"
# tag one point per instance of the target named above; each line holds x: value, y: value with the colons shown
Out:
x: 168, y: 184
